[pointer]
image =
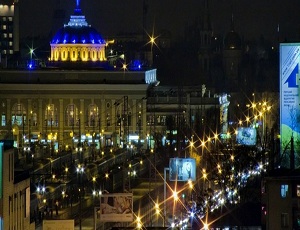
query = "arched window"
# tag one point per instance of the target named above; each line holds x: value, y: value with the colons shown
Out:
x: 92, y: 116
x: 51, y: 118
x: 18, y: 114
x: 71, y: 116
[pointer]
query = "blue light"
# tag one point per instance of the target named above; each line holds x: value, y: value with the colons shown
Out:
x: 83, y: 41
x: 74, y: 41
x: 65, y: 41
x: 93, y: 41
x: 136, y: 65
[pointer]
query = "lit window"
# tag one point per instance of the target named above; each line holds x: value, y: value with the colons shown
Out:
x: 10, y: 35
x: 4, y: 19
x: 92, y: 115
x: 51, y: 116
x: 298, y: 190
x: 11, y: 51
x: 5, y: 35
x: 10, y: 43
x: 3, y: 120
x: 18, y: 114
x: 10, y: 19
x: 4, y: 27
x: 284, y: 190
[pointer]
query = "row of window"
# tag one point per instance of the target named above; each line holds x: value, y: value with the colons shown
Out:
x: 7, y: 51
x: 5, y: 19
x: 7, y: 35
x: 71, y: 117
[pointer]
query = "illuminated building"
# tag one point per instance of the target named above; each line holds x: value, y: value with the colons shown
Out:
x: 9, y: 30
x: 14, y: 193
x: 76, y: 100
x: 77, y: 41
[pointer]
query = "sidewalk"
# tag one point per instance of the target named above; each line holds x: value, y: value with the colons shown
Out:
x: 87, y: 220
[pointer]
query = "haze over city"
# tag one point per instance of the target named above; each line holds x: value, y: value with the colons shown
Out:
x: 252, y: 18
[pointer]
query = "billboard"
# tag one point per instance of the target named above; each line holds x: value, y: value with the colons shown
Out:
x: 116, y: 207
x: 289, y: 98
x: 246, y: 136
x: 182, y: 169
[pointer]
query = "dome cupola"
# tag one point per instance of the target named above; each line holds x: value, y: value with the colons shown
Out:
x: 77, y: 41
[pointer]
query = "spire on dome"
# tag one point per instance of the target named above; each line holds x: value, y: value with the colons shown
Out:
x: 77, y: 9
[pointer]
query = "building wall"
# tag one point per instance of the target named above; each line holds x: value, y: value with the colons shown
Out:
x: 281, y: 203
x: 35, y: 99
x: 9, y: 30
x: 15, y: 201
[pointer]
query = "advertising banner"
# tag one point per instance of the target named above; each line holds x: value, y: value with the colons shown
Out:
x: 182, y: 169
x: 246, y: 136
x: 289, y: 98
x: 116, y: 207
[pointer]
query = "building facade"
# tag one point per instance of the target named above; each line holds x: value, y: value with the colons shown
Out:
x: 9, y: 30
x: 14, y: 194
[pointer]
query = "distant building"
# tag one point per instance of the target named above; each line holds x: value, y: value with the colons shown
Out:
x: 9, y: 30
x: 281, y: 200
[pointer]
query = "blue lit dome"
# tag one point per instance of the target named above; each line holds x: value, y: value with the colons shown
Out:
x: 77, y: 42
x: 77, y: 35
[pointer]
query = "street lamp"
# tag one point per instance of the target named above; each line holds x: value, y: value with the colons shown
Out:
x: 165, y: 193
x: 80, y: 170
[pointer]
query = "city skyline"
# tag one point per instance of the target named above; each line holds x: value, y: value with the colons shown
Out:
x: 108, y: 17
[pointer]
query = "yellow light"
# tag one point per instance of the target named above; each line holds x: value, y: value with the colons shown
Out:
x: 175, y: 195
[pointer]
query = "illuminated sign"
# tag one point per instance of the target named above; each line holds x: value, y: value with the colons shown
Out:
x: 182, y: 169
x: 289, y: 98
x: 116, y: 207
x: 246, y: 136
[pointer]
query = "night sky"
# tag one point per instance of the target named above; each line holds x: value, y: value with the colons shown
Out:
x: 252, y: 18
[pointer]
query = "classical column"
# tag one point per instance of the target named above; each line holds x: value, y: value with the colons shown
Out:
x: 61, y: 122
x: 81, y: 116
x: 135, y: 114
x: 41, y: 117
x: 144, y: 119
